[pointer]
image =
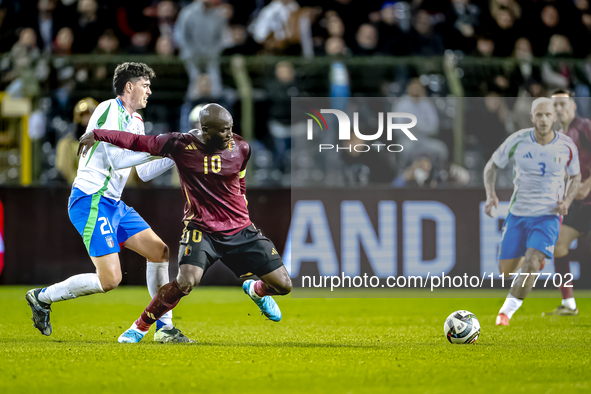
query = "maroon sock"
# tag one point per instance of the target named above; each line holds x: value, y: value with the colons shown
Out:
x: 263, y: 289
x: 562, y: 267
x: 168, y: 297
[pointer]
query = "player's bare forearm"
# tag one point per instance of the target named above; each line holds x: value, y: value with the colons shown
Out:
x: 584, y: 189
x: 490, y: 178
x: 572, y: 189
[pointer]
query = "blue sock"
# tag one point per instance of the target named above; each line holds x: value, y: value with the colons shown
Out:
x: 159, y: 325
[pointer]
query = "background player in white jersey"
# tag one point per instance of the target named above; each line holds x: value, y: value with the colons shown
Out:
x: 543, y: 158
x: 104, y: 221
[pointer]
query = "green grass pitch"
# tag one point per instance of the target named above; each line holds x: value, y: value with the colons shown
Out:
x: 337, y: 345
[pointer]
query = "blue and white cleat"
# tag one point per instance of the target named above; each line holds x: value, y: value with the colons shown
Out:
x: 130, y: 336
x: 266, y: 304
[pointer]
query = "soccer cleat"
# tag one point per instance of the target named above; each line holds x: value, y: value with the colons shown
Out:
x: 130, y: 336
x: 502, y: 320
x: 173, y: 335
x: 40, y: 312
x: 266, y: 304
x: 562, y: 310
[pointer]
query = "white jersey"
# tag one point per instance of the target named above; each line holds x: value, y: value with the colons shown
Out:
x: 539, y: 171
x: 106, y: 167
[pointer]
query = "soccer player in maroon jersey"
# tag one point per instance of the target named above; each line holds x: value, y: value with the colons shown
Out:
x: 212, y: 164
x: 578, y: 220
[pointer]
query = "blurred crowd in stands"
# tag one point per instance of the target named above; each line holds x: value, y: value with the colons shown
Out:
x: 210, y: 28
x: 37, y: 36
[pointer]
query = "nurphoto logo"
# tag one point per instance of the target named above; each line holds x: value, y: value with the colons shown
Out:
x: 345, y: 130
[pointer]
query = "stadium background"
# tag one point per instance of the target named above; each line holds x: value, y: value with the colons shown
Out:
x: 504, y: 51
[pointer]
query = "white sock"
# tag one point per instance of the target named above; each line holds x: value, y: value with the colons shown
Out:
x: 156, y: 277
x: 510, y: 306
x: 73, y: 287
x: 253, y: 293
x: 569, y: 303
x: 134, y: 327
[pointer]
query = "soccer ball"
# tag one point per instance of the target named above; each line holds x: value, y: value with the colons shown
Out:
x: 461, y: 327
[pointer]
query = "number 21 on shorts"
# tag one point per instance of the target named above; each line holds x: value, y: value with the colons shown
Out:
x: 105, y: 222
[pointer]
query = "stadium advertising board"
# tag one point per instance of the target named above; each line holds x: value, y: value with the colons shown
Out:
x: 375, y: 231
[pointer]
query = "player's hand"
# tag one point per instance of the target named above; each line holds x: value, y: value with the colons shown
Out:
x: 563, y: 208
x: 490, y: 202
x: 86, y: 142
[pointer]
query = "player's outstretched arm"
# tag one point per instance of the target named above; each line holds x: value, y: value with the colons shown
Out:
x: 119, y: 158
x: 490, y: 178
x: 152, y: 144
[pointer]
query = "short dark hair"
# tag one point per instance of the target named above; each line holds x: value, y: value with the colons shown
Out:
x: 563, y: 92
x: 130, y: 72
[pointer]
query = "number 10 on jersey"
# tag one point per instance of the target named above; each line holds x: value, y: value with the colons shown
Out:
x: 216, y: 164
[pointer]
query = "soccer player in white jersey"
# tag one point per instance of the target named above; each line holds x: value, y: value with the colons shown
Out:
x: 104, y: 221
x: 542, y: 159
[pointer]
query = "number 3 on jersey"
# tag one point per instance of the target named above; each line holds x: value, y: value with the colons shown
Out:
x: 216, y: 164
x: 542, y: 167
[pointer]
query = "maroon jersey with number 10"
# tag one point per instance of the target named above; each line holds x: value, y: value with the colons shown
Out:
x: 212, y: 181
